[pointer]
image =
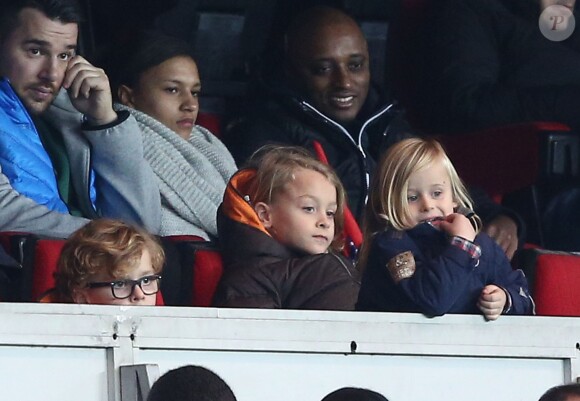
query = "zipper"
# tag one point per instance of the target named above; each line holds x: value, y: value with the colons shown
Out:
x: 345, y: 267
x: 357, y: 144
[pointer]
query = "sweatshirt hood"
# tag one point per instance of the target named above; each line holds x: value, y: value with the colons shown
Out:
x: 237, y: 203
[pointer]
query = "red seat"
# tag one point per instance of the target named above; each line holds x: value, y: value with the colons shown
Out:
x: 207, y: 265
x: 503, y: 159
x: 210, y: 121
x: 557, y: 285
x: 159, y: 299
x: 208, y: 270
x: 46, y: 254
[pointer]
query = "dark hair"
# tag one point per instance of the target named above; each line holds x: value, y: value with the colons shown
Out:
x: 561, y: 393
x: 127, y: 61
x: 354, y: 394
x: 65, y: 11
x: 190, y: 383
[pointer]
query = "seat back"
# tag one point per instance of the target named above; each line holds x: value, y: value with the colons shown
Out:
x: 557, y: 284
x: 202, y: 267
x: 9, y: 266
x: 554, y: 280
x: 505, y: 159
x: 19, y: 277
x: 46, y: 254
x: 210, y: 121
x: 208, y: 269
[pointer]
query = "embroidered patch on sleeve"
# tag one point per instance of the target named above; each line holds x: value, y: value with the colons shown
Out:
x: 401, y: 266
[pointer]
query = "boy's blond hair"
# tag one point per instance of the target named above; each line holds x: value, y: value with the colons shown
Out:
x: 103, y: 245
x: 275, y: 167
x: 388, y: 207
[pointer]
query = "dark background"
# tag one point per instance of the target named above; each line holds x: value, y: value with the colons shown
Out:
x: 230, y: 38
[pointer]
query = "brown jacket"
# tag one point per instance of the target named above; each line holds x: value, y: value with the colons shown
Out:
x: 259, y: 272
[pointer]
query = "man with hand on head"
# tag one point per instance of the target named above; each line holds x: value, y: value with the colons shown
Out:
x: 65, y: 155
x: 321, y: 94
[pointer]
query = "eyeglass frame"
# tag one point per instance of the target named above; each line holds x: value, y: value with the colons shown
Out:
x: 134, y: 283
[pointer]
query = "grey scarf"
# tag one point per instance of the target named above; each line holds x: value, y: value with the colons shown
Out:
x: 192, y: 175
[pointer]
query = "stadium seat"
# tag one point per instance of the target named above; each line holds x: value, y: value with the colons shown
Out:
x: 210, y: 121
x: 46, y: 254
x: 203, y: 262
x: 554, y: 279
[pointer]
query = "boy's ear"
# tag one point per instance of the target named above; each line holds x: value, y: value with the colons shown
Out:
x: 263, y: 212
x: 79, y: 297
x: 125, y: 95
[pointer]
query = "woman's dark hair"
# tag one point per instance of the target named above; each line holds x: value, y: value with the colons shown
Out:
x: 126, y: 62
x: 354, y: 394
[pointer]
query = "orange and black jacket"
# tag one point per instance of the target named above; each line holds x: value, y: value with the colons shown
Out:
x: 260, y: 272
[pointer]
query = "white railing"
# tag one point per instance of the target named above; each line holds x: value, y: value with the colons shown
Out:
x: 74, y: 352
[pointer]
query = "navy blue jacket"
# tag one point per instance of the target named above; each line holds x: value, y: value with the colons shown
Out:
x: 446, y: 280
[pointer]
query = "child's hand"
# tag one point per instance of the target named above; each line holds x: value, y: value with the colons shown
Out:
x: 458, y: 225
x: 492, y: 301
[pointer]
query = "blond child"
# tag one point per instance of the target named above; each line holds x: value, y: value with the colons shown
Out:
x: 423, y: 251
x: 280, y: 229
x: 109, y: 262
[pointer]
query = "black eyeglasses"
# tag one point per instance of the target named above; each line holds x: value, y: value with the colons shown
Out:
x: 122, y: 289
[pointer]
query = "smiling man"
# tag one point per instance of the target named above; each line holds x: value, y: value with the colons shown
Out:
x: 65, y: 155
x: 328, y: 62
x: 323, y: 97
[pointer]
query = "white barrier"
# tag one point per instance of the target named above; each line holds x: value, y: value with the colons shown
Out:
x: 74, y: 352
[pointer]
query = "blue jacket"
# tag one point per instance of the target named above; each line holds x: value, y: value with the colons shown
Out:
x: 105, y: 160
x: 446, y: 279
x: 23, y: 158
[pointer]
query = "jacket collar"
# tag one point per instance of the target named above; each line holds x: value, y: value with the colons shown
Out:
x: 237, y: 204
